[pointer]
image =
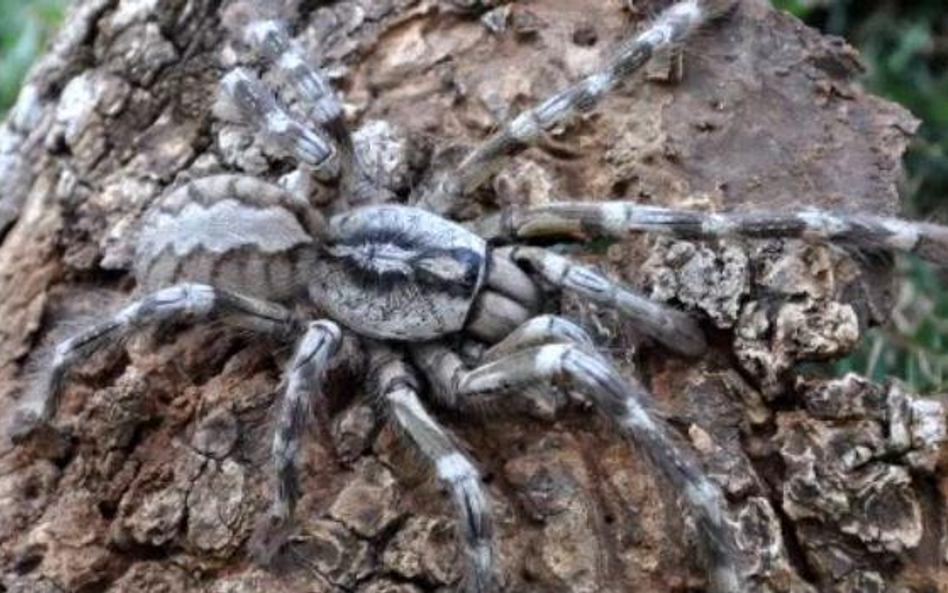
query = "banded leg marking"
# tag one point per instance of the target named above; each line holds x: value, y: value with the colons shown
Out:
x: 399, y: 392
x: 271, y: 40
x: 618, y: 220
x: 302, y: 383
x: 672, y: 27
x: 676, y: 330
x: 183, y: 302
x: 627, y: 404
x: 256, y: 105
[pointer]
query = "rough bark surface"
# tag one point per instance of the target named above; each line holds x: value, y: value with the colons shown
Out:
x: 154, y: 478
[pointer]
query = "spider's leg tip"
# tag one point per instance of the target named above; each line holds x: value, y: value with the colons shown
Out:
x: 269, y: 539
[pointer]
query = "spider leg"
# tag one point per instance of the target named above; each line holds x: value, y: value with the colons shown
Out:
x: 301, y: 384
x: 294, y: 74
x: 619, y: 220
x: 675, y: 329
x: 539, y: 331
x: 271, y: 40
x: 673, y: 26
x: 243, y: 93
x: 626, y: 403
x: 183, y: 302
x: 398, y: 389
x: 494, y: 315
x: 508, y: 279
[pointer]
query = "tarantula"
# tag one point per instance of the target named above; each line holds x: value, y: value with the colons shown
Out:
x: 410, y: 283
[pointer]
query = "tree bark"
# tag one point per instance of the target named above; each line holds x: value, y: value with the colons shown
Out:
x: 154, y: 478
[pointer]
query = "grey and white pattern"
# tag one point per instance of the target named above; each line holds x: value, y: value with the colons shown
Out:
x: 618, y: 220
x: 398, y: 389
x: 410, y: 285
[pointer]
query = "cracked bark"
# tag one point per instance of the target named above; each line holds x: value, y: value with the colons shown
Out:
x: 156, y: 479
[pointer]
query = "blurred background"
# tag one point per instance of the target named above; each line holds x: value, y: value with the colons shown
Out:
x: 904, y: 46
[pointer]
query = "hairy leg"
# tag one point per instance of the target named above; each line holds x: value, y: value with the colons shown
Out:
x: 183, y: 302
x: 507, y: 278
x: 672, y: 27
x: 270, y: 39
x: 317, y: 98
x: 676, y: 330
x: 619, y: 220
x: 302, y: 383
x: 625, y: 403
x: 246, y: 97
x: 398, y: 389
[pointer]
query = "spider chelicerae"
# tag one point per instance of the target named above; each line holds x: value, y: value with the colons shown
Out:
x: 411, y: 285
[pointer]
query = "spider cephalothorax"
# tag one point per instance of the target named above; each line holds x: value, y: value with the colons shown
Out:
x: 407, y: 283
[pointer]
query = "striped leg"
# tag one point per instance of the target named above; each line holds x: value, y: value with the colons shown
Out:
x: 302, y: 382
x: 183, y: 302
x: 618, y: 220
x: 271, y: 40
x: 398, y: 389
x: 676, y: 330
x: 627, y: 404
x: 295, y: 76
x: 672, y: 27
x: 243, y: 94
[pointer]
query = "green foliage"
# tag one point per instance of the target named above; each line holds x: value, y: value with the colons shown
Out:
x: 24, y: 30
x: 914, y: 347
x: 905, y: 48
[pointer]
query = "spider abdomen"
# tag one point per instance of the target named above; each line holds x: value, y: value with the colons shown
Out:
x: 397, y: 272
x: 230, y: 231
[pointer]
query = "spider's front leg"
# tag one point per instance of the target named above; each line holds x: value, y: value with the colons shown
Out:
x: 183, y: 302
x: 297, y: 79
x: 672, y: 27
x: 586, y: 221
x: 398, y: 389
x: 246, y: 97
x: 512, y: 295
x: 558, y: 362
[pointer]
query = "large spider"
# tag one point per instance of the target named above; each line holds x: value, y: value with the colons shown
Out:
x: 413, y: 285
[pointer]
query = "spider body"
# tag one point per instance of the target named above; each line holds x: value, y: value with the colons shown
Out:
x: 256, y: 239
x: 238, y: 233
x: 410, y: 285
x: 424, y: 272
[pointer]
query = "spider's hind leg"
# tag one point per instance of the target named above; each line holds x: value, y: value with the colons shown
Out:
x: 246, y: 98
x: 271, y: 40
x: 560, y: 362
x: 309, y: 86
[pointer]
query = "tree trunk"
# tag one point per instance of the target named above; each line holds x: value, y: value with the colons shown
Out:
x: 154, y: 478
